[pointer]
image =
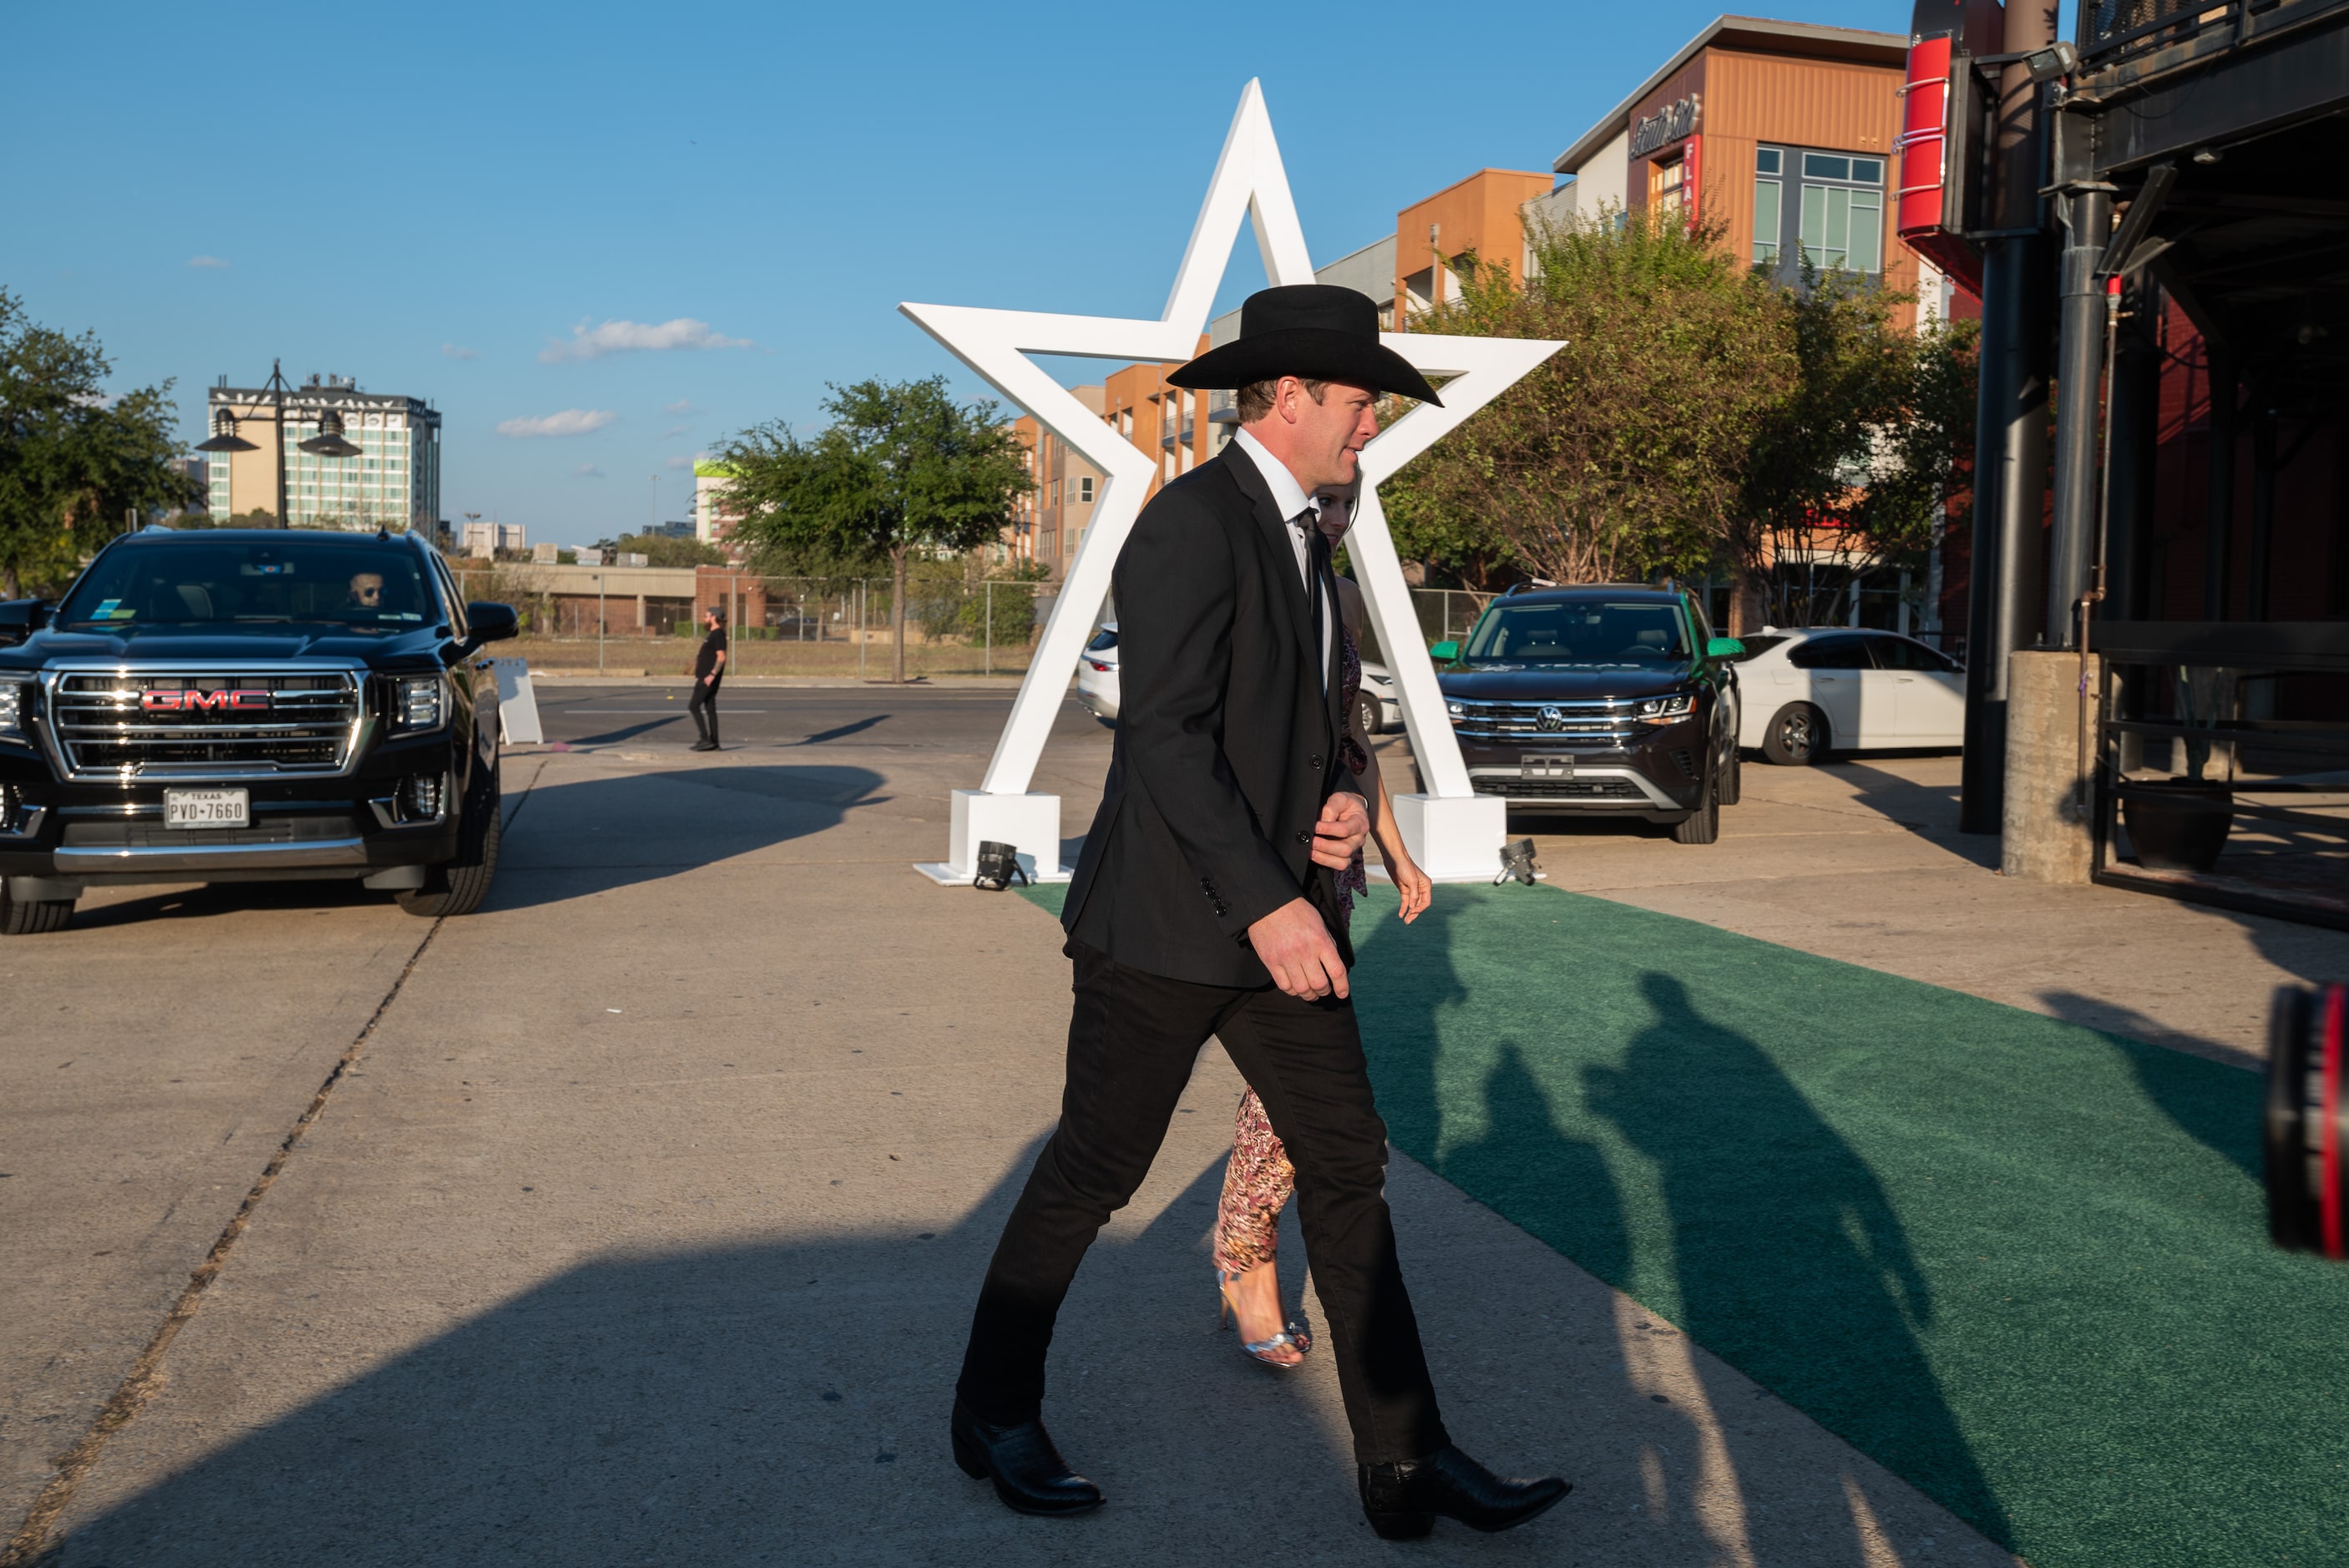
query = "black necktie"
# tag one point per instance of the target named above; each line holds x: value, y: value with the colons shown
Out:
x: 1317, y: 557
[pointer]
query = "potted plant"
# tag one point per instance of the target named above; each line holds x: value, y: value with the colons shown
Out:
x: 2182, y: 824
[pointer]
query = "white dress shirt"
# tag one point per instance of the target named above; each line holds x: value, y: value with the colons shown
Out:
x: 1294, y: 503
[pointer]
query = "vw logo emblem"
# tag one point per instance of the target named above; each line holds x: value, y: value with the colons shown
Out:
x: 1551, y: 719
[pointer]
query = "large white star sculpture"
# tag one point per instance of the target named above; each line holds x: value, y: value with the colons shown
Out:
x: 1453, y: 832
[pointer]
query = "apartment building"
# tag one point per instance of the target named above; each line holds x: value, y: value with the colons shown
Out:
x: 393, y: 481
x: 1050, y: 521
x: 1783, y: 133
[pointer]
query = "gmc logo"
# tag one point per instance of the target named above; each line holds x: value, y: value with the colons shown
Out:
x: 203, y: 701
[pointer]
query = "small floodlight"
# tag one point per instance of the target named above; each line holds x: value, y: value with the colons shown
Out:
x: 224, y: 436
x: 329, y: 442
x: 2057, y: 60
x: 1517, y: 861
x: 998, y: 864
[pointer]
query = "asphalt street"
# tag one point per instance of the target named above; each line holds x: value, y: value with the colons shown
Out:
x: 952, y: 718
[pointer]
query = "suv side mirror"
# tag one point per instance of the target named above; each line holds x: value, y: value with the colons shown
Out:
x: 1445, y: 652
x: 490, y: 623
x: 20, y: 618
x: 1724, y: 648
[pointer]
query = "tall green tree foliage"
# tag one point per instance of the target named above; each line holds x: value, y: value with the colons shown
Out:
x: 901, y: 471
x: 1625, y: 453
x: 72, y: 460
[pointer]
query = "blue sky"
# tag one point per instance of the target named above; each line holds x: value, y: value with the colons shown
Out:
x: 655, y: 225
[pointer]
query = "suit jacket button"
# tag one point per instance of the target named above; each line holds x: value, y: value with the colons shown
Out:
x: 1316, y: 759
x: 1303, y: 837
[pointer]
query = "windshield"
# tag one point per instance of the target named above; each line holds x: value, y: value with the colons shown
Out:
x: 200, y: 581
x: 1581, y: 631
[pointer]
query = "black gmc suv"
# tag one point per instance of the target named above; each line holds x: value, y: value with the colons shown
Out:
x: 1605, y: 699
x: 234, y: 704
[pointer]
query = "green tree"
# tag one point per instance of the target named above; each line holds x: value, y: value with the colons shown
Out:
x: 73, y: 461
x: 901, y: 471
x: 1623, y: 455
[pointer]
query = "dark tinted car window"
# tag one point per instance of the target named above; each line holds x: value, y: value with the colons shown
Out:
x: 1757, y: 644
x: 1581, y: 631
x: 201, y: 581
x: 1849, y: 652
x: 1905, y: 653
x: 1106, y: 639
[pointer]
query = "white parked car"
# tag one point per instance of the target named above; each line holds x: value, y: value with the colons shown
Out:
x: 1840, y: 689
x: 1377, y: 706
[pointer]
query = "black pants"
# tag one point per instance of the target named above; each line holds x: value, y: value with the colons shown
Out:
x: 1132, y: 1043
x: 704, y: 708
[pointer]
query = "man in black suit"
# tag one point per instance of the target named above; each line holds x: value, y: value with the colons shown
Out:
x: 1203, y: 903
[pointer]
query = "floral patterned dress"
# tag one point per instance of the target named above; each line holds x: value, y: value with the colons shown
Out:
x: 1259, y: 1179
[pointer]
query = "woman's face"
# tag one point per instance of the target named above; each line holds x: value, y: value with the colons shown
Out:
x: 1335, y: 520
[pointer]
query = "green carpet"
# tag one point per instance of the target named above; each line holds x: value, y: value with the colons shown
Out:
x: 2020, y: 1262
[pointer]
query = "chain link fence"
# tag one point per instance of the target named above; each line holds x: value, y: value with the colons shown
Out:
x: 575, y: 620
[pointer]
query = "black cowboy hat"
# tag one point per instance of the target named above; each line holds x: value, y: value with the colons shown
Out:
x: 1316, y: 331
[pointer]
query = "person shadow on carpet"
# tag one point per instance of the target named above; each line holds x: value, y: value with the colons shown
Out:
x: 1791, y: 1261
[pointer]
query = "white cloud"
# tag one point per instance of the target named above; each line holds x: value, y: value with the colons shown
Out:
x: 588, y: 471
x: 457, y: 351
x: 570, y: 422
x: 674, y: 431
x: 678, y: 463
x: 627, y: 336
x: 681, y: 408
x: 209, y: 264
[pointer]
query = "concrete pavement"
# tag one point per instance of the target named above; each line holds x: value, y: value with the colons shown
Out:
x: 643, y: 1225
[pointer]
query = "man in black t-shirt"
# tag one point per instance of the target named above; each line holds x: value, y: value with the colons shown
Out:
x: 708, y: 669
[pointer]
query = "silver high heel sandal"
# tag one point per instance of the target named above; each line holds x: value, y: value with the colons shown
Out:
x: 1293, y: 1334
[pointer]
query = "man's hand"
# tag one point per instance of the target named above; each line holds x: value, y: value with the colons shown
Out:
x: 1296, y: 946
x: 1345, y: 823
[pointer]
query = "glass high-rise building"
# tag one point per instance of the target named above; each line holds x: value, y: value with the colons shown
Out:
x: 393, y: 482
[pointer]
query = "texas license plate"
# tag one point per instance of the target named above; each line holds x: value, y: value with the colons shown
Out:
x: 1546, y: 768
x: 207, y: 807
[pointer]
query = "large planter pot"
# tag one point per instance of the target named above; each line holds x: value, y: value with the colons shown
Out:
x: 2181, y: 829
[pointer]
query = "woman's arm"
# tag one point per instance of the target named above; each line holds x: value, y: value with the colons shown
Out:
x: 1412, y: 884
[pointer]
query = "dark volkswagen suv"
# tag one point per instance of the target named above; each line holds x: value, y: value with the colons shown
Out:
x: 1605, y: 699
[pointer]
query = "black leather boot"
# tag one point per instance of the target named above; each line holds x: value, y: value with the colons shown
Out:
x: 1402, y: 1501
x: 1029, y: 1473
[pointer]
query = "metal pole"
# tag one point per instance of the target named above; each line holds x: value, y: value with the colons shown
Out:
x: 860, y: 629
x: 2079, y: 374
x: 599, y: 623
x: 991, y: 625
x: 2225, y: 394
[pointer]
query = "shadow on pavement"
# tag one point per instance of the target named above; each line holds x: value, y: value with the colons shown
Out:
x: 585, y: 836
x: 1928, y: 810
x: 774, y: 1402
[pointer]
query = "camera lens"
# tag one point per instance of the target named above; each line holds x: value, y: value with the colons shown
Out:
x: 2307, y: 1111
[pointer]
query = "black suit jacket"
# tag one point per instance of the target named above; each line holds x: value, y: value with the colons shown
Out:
x: 1227, y: 737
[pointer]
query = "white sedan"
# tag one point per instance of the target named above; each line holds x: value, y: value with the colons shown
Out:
x: 1844, y: 689
x: 1377, y: 708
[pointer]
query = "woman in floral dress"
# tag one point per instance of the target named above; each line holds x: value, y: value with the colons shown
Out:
x: 1259, y: 1179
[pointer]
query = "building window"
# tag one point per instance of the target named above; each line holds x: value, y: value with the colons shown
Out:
x: 1084, y: 489
x: 1767, y: 166
x: 1832, y: 217
x: 1056, y: 492
x: 1669, y: 193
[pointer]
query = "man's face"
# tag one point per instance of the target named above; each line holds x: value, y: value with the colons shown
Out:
x: 1329, y: 435
x: 366, y: 590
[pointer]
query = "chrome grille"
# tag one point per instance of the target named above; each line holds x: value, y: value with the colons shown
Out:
x: 115, y: 722
x: 1604, y: 721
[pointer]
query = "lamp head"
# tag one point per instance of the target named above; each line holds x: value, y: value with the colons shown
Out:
x: 224, y: 436
x: 329, y: 441
x: 2057, y: 60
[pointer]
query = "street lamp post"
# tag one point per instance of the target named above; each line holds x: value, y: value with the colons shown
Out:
x: 329, y: 442
x: 599, y: 623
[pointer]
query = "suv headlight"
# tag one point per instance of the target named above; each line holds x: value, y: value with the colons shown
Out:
x: 1666, y: 709
x: 12, y: 706
x: 1454, y: 709
x: 420, y: 702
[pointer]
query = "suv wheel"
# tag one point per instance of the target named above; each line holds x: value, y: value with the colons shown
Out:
x: 23, y: 917
x: 459, y: 886
x: 1798, y: 736
x: 1733, y: 776
x: 1702, y: 826
x: 1366, y: 712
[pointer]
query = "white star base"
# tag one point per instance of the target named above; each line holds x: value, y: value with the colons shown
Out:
x: 1455, y: 840
x: 1029, y: 823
